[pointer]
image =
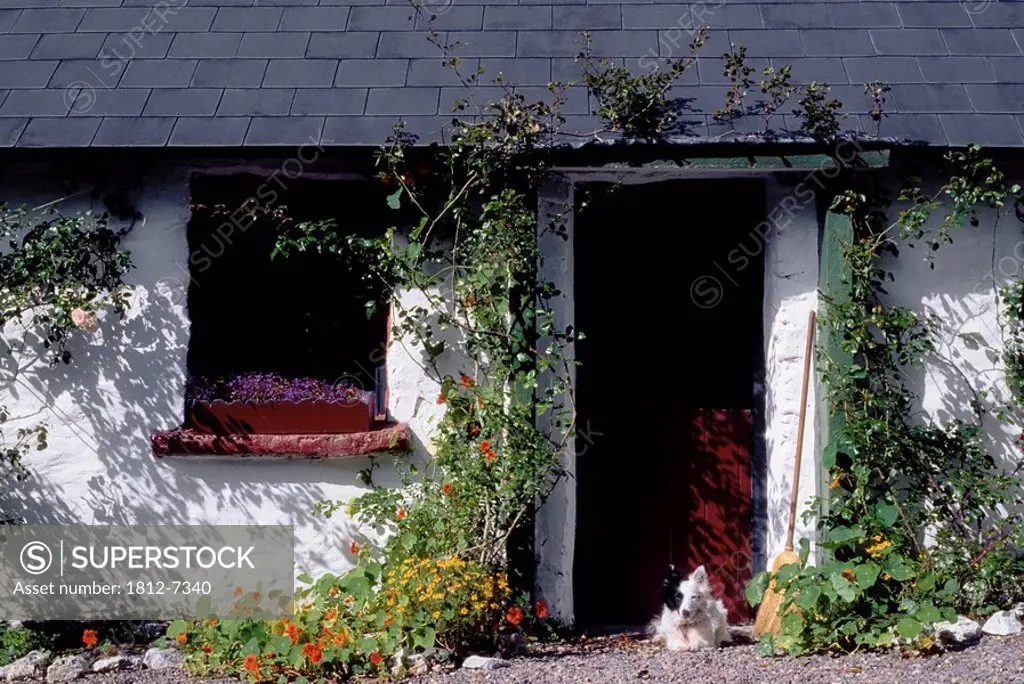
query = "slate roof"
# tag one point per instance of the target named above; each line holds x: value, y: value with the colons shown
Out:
x: 179, y: 73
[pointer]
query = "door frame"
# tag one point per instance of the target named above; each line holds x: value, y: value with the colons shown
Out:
x: 791, y: 247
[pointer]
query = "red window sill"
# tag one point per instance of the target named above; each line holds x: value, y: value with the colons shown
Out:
x: 184, y: 442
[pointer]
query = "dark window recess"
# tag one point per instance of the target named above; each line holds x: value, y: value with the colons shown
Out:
x: 304, y: 315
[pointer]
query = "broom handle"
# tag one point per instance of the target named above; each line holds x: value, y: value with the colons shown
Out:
x: 800, y: 430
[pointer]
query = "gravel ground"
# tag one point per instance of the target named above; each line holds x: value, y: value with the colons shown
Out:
x: 615, y: 660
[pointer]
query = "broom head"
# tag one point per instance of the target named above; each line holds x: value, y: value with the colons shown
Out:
x: 768, y: 619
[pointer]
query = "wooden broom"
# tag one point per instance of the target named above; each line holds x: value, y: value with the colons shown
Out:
x: 768, y: 619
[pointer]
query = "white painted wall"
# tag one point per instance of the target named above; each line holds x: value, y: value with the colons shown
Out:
x: 790, y: 292
x: 128, y: 379
x: 961, y: 293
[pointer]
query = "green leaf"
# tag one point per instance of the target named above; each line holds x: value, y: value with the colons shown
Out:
x: 281, y: 644
x: 175, y: 628
x: 866, y: 575
x: 884, y: 640
x: 928, y: 613
x: 926, y: 582
x: 808, y: 597
x: 393, y: 199
x: 786, y: 573
x: 305, y: 578
x: 844, y: 587
x: 408, y: 541
x: 841, y: 535
x: 792, y: 623
x: 805, y: 551
x: 908, y: 627
x: 899, y: 571
x: 756, y: 588
x: 766, y: 646
x: 949, y: 615
x: 828, y: 455
x: 886, y: 513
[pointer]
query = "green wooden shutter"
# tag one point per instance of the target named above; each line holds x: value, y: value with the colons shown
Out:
x: 834, y: 285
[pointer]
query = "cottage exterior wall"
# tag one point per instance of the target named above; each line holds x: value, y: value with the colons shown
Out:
x: 127, y: 380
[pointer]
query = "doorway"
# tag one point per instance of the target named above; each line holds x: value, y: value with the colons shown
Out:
x: 669, y: 294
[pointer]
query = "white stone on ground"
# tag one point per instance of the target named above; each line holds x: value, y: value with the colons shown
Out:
x: 963, y: 631
x: 484, y: 663
x: 117, y: 662
x: 163, y: 658
x: 1003, y: 623
x: 33, y: 664
x: 67, y: 668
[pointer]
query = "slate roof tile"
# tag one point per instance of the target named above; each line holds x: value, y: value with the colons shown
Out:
x: 228, y: 131
x: 256, y: 102
x: 273, y: 72
x: 147, y: 131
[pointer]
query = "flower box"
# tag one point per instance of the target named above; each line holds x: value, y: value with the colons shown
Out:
x: 266, y: 403
x: 311, y: 416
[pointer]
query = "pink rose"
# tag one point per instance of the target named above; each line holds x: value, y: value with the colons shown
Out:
x: 85, y: 320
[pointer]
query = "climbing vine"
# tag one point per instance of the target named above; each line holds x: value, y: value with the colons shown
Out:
x: 894, y: 477
x: 56, y: 273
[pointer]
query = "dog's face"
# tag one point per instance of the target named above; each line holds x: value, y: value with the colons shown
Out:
x: 694, y: 596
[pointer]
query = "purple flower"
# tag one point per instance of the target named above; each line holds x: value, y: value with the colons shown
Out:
x: 262, y: 388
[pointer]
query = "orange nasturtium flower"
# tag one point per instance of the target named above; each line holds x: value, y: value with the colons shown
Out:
x: 485, y: 446
x: 376, y: 658
x: 447, y: 488
x: 354, y: 548
x: 465, y: 380
x: 491, y: 455
x: 514, y: 615
x: 401, y: 513
x: 181, y: 638
x: 442, y: 398
x: 540, y: 608
x: 207, y: 648
x: 252, y: 664
x: 313, y: 652
x: 292, y: 630
x: 90, y: 638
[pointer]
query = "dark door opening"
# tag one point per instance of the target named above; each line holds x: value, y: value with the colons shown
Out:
x: 669, y: 294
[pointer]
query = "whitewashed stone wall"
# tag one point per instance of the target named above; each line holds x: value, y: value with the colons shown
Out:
x: 127, y: 381
x: 790, y: 293
x: 960, y: 294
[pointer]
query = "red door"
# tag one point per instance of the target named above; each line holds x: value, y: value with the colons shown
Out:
x: 716, y: 470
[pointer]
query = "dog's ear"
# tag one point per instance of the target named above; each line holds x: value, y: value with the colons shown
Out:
x: 670, y: 595
x: 700, y: 576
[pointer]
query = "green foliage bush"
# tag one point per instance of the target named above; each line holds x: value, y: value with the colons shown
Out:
x: 15, y: 642
x: 892, y: 477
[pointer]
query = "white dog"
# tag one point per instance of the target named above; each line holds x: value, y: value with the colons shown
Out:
x: 692, y: 619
